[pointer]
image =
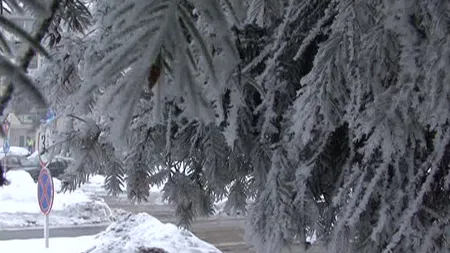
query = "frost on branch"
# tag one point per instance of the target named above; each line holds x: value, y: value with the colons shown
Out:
x: 372, y: 75
x: 332, y: 114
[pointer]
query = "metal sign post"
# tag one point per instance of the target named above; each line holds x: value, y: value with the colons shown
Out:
x: 6, y: 149
x: 46, y: 190
x: 6, y: 143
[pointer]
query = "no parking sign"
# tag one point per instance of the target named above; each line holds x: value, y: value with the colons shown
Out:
x: 46, y: 191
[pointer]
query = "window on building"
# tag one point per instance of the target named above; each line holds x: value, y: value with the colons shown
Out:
x: 22, y: 141
x: 26, y: 119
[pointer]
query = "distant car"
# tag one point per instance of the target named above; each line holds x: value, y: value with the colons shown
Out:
x: 57, y: 166
x: 12, y: 162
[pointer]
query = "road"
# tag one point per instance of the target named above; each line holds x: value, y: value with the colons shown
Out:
x: 226, y: 233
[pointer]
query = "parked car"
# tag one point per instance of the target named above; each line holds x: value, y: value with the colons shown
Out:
x: 31, y: 164
x: 12, y: 162
x: 57, y: 167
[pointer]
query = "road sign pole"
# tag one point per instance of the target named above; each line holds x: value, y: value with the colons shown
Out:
x: 46, y: 231
x: 6, y: 144
x: 3, y: 170
x: 46, y: 194
x: 46, y: 190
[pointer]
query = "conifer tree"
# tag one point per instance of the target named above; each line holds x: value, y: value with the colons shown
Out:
x: 331, y: 115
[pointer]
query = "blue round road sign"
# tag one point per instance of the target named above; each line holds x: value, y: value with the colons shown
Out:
x: 6, y: 145
x: 46, y: 191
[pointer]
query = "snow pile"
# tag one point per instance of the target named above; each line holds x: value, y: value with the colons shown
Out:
x: 132, y: 232
x: 19, y: 206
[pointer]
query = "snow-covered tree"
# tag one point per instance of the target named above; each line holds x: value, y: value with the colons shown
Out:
x: 333, y: 115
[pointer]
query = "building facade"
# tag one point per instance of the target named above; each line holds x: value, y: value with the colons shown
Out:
x: 23, y: 126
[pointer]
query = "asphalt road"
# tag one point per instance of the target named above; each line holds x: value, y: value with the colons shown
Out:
x: 34, y: 233
x: 226, y: 233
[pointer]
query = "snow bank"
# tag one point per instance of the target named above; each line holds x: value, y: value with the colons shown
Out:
x: 19, y: 206
x: 134, y: 231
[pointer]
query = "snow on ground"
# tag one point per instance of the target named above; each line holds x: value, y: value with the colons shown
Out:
x: 57, y: 245
x: 133, y: 231
x: 19, y: 206
x: 128, y: 234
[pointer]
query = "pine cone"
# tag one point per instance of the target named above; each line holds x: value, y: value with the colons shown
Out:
x: 155, y: 72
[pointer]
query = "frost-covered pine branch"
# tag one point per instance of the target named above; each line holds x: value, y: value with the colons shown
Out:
x: 332, y: 115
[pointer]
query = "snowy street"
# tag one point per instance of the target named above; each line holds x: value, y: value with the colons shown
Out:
x: 225, y: 233
x: 128, y: 233
x: 88, y: 211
